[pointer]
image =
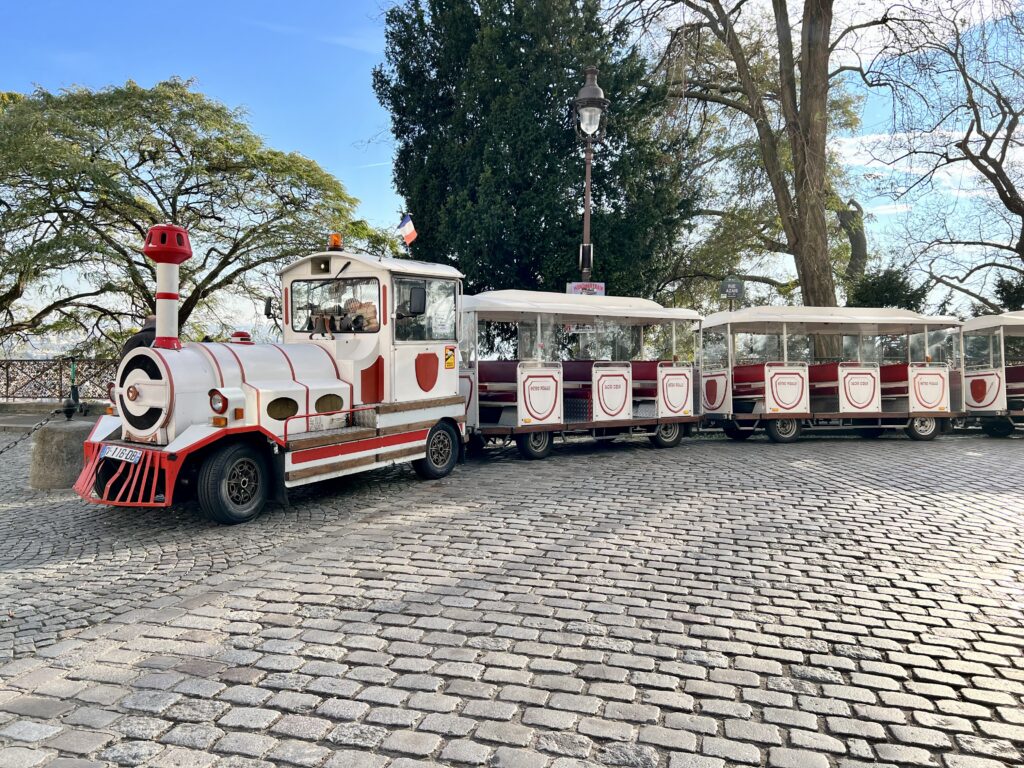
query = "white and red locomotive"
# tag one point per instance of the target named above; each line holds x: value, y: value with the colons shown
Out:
x: 366, y: 376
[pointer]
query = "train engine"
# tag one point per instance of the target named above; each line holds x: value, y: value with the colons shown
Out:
x: 366, y: 376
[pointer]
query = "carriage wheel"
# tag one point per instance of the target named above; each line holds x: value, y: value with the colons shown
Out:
x: 534, y: 445
x: 782, y: 430
x: 666, y: 436
x: 922, y: 428
x: 442, y: 453
x: 733, y: 432
x: 233, y: 484
x: 997, y: 427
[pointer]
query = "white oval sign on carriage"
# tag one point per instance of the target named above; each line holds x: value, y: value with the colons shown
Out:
x: 984, y: 391
x: 612, y: 395
x: 787, y: 391
x: 715, y: 392
x: 929, y: 390
x: 860, y: 391
x: 539, y: 402
x: 675, y: 393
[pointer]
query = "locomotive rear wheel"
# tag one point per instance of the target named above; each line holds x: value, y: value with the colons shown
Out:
x: 782, y: 430
x: 922, y: 428
x: 442, y: 453
x: 534, y: 445
x: 233, y: 484
x: 666, y: 436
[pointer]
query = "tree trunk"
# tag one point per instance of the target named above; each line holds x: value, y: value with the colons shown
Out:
x: 851, y: 219
x: 817, y: 281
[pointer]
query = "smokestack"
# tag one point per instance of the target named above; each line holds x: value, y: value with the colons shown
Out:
x: 168, y: 246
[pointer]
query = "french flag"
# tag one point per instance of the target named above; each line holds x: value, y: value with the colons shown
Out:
x: 407, y: 229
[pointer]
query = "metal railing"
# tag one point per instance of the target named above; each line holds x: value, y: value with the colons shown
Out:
x: 51, y: 379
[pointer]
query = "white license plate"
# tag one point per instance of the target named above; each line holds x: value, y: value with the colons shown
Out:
x: 120, y: 453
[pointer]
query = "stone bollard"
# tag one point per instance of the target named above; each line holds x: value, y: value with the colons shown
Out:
x: 57, y: 456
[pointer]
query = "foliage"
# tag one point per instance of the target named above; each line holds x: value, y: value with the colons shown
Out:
x: 84, y: 174
x: 889, y: 287
x: 487, y: 160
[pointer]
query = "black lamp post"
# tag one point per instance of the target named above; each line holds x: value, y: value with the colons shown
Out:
x: 591, y: 107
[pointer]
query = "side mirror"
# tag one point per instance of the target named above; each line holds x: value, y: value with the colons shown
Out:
x: 417, y: 301
x: 268, y: 308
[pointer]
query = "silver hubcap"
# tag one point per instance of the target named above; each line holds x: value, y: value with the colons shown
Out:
x: 668, y: 431
x: 441, y: 448
x: 243, y: 482
x: 924, y: 425
x: 538, y: 440
x: 785, y: 427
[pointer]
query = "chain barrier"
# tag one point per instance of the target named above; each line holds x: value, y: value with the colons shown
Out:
x: 35, y: 428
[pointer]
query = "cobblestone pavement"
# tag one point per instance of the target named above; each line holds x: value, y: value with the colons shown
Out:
x: 836, y: 602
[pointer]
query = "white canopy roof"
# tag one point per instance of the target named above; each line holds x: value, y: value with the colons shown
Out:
x: 1014, y: 320
x: 397, y: 266
x: 828, y: 320
x: 513, y: 306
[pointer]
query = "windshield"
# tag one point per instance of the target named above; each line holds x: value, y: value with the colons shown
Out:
x: 345, y: 305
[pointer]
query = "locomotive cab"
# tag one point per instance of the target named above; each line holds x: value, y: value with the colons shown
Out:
x: 366, y: 376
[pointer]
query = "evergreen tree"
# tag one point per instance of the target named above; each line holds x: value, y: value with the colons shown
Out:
x: 888, y: 287
x: 488, y: 162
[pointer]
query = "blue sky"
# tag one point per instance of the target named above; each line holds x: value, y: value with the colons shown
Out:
x: 301, y: 70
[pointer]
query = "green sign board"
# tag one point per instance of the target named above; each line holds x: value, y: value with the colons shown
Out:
x: 731, y: 288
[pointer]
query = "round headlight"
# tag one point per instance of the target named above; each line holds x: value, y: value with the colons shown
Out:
x: 218, y: 402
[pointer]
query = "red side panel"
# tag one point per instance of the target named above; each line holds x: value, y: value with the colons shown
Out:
x: 372, y: 382
x: 498, y: 371
x: 748, y: 374
x: 427, y: 365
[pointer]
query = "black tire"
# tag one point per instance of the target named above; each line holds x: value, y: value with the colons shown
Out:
x: 534, y: 445
x: 442, y: 452
x: 783, y: 430
x: 922, y: 428
x: 233, y: 484
x: 998, y: 427
x: 871, y: 433
x: 733, y: 432
x: 667, y: 435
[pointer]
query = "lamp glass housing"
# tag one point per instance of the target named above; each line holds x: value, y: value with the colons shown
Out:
x: 590, y: 119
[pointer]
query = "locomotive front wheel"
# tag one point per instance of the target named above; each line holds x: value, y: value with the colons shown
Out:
x: 782, y: 430
x: 442, y: 453
x: 534, y: 445
x: 1000, y: 428
x: 233, y: 484
x: 922, y: 428
x: 666, y: 436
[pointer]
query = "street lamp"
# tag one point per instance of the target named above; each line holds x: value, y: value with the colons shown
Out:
x: 591, y: 106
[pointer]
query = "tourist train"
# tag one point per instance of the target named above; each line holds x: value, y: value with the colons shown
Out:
x: 383, y: 360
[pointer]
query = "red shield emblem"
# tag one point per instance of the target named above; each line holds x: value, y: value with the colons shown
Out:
x: 978, y: 389
x: 711, y: 391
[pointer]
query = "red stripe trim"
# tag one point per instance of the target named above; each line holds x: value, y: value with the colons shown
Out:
x: 329, y: 451
x: 295, y: 379
x: 286, y: 320
x: 216, y: 363
x: 170, y: 382
x: 167, y: 295
x: 384, y: 303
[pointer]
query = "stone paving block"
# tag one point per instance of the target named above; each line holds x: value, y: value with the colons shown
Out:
x: 79, y: 742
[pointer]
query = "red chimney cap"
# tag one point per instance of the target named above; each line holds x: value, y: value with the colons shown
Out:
x: 167, y: 244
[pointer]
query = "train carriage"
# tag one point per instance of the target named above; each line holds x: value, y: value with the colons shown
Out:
x: 787, y: 369
x: 542, y: 364
x: 366, y: 376
x: 994, y: 371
